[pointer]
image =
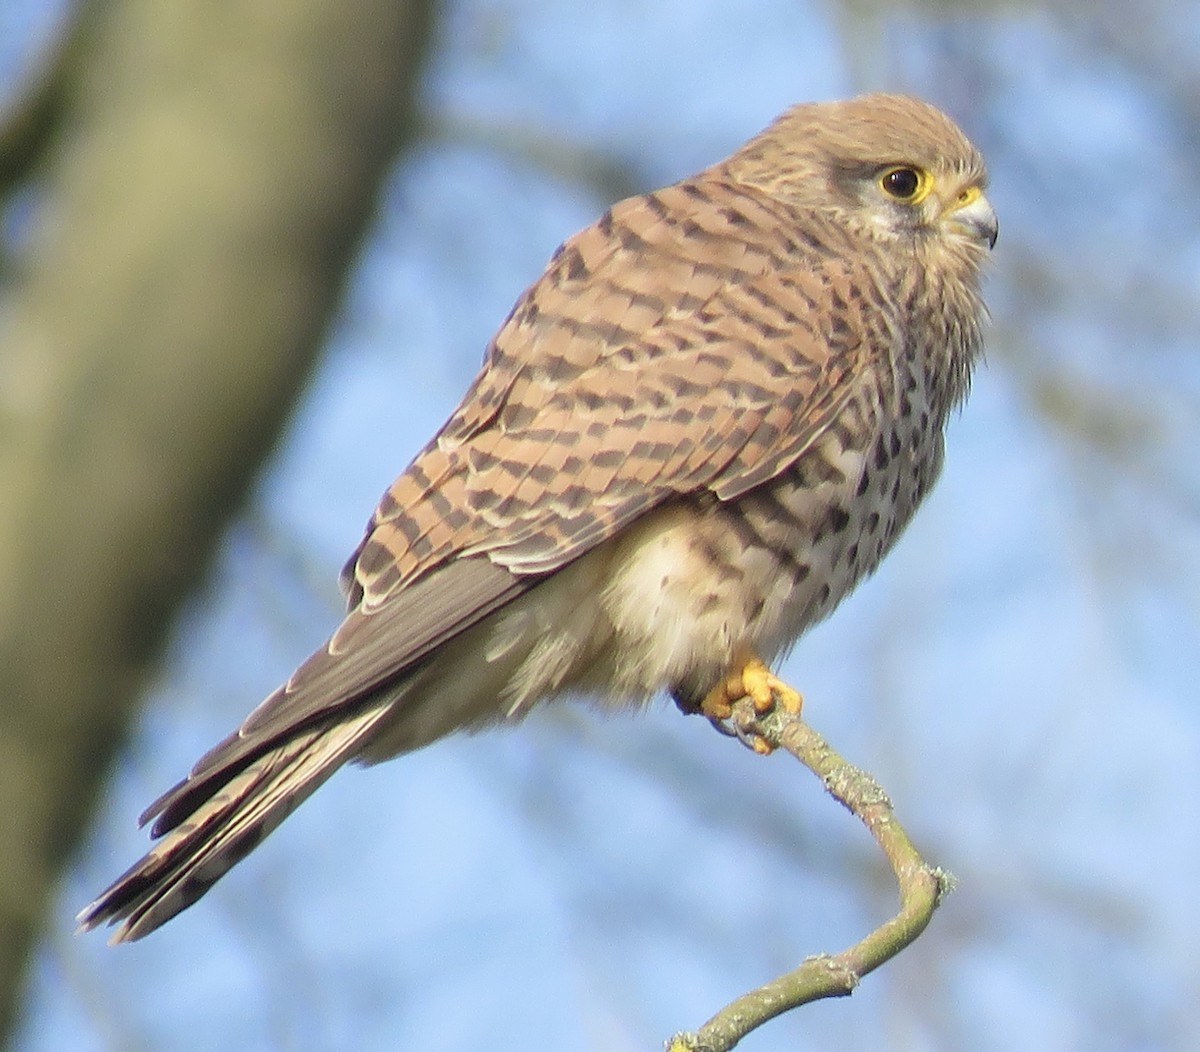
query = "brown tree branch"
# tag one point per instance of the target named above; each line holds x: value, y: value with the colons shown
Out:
x: 824, y: 975
x: 205, y: 176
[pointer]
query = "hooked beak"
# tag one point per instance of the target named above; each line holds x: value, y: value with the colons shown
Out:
x: 971, y: 215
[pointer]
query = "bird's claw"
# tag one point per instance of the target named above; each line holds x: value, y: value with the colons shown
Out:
x: 750, y: 679
x: 767, y: 690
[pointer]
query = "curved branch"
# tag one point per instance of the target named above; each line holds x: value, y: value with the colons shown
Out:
x: 824, y: 975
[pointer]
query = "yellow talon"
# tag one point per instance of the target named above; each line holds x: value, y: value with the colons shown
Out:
x: 759, y: 744
x: 767, y: 690
x: 751, y: 679
x: 717, y: 704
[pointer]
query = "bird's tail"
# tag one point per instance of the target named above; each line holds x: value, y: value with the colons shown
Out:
x: 226, y: 826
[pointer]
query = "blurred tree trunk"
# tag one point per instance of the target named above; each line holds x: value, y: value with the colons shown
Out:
x: 203, y: 175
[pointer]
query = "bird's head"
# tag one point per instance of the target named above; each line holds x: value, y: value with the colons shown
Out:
x: 889, y: 166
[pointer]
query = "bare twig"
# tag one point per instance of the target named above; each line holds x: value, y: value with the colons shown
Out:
x: 828, y: 975
x: 555, y: 155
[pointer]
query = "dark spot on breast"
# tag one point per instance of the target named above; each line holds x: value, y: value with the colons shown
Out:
x: 881, y: 457
x: 838, y: 519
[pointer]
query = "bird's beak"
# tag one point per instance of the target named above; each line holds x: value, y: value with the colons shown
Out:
x: 971, y: 215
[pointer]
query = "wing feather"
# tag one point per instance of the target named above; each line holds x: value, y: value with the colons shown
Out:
x: 674, y: 346
x: 369, y: 652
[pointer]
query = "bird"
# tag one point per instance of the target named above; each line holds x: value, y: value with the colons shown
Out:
x: 705, y: 422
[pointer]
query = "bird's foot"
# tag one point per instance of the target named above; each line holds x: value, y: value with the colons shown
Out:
x: 750, y: 678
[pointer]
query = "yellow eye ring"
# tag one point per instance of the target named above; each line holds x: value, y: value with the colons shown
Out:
x: 903, y: 182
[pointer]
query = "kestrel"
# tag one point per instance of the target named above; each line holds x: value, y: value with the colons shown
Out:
x: 705, y: 422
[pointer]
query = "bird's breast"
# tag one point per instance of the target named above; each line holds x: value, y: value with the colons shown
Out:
x: 700, y: 578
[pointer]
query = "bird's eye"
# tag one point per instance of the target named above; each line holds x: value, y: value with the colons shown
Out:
x: 905, y: 183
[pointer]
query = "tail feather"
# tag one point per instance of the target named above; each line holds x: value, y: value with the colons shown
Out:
x: 226, y: 827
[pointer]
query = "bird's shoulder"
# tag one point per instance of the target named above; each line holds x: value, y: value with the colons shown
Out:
x: 684, y: 336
